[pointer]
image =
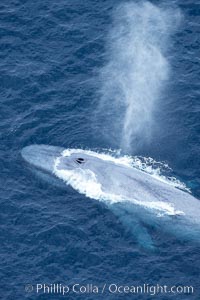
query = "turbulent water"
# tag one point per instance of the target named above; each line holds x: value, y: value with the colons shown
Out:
x: 96, y: 75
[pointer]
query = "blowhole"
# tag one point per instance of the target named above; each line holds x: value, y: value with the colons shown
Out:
x: 80, y: 160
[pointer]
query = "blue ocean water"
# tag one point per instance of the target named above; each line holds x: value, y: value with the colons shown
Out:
x: 52, y: 57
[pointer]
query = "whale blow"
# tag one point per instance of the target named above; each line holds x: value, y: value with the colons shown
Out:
x: 134, y: 75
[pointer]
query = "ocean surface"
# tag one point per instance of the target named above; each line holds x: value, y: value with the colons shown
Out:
x: 97, y: 75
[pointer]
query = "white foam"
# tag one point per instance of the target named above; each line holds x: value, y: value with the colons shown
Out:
x: 124, y: 160
x: 85, y: 181
x: 146, y: 164
x: 157, y: 170
x: 163, y: 208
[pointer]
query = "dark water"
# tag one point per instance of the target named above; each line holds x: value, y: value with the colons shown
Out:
x: 51, y: 54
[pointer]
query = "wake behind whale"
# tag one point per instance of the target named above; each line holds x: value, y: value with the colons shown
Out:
x: 134, y: 196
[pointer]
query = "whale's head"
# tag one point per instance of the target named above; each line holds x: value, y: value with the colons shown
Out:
x: 96, y: 175
x: 48, y: 158
x: 41, y: 156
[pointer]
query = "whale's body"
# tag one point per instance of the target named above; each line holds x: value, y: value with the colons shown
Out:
x: 133, y: 195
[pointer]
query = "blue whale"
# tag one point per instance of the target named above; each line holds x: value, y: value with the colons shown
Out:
x: 137, y: 198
